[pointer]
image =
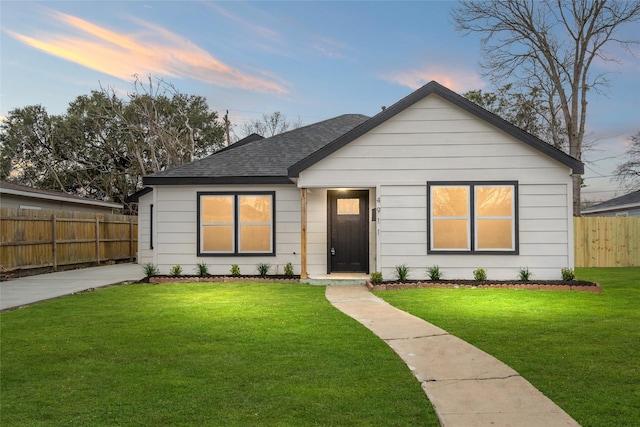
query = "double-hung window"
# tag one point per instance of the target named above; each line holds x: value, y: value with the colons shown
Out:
x: 473, y: 217
x: 236, y: 223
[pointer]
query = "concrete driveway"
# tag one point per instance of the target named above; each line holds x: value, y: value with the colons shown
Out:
x: 31, y: 289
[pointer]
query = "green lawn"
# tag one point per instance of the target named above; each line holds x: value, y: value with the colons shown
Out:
x: 580, y: 349
x: 201, y: 354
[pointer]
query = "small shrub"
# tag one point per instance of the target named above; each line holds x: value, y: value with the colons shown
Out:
x: 235, y: 270
x: 288, y: 270
x: 376, y: 278
x: 480, y: 274
x: 176, y: 270
x: 434, y: 273
x: 263, y: 268
x: 202, y: 269
x: 525, y: 274
x: 567, y: 274
x: 402, y: 271
x: 151, y: 270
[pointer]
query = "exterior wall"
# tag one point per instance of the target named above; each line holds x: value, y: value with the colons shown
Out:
x: 145, y: 252
x: 434, y: 140
x: 175, y: 230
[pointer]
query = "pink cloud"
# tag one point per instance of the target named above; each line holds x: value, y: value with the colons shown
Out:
x: 457, y: 80
x: 152, y: 50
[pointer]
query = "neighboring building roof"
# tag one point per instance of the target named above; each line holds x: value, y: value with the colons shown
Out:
x: 259, y: 161
x: 626, y: 202
x: 435, y: 88
x: 36, y: 193
x: 276, y: 159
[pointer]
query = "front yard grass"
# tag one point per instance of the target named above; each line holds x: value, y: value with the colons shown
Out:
x: 236, y: 354
x: 580, y: 349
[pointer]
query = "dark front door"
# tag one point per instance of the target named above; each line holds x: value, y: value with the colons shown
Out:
x: 348, y: 224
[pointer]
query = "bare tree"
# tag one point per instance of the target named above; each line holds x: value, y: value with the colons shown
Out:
x: 629, y: 172
x: 103, y: 146
x: 270, y: 125
x: 550, y: 44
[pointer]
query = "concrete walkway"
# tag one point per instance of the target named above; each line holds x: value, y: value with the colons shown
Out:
x: 27, y: 290
x: 466, y: 386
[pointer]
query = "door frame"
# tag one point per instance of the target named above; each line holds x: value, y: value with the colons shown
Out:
x: 343, y: 194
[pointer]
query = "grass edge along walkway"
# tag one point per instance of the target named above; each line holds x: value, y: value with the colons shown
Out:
x: 579, y: 348
x: 201, y: 354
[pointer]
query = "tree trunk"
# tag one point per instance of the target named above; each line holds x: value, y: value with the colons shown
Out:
x: 577, y: 186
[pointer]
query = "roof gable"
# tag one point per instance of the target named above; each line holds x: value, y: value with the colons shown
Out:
x: 429, y: 89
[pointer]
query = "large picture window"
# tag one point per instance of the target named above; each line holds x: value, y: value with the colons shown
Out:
x: 236, y: 223
x: 473, y: 217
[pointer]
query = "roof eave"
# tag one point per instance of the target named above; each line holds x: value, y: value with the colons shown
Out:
x: 614, y: 208
x: 61, y: 198
x: 208, y: 180
x: 135, y: 197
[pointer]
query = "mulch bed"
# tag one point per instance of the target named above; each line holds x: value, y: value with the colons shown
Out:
x: 229, y: 278
x: 549, y: 285
x: 555, y: 285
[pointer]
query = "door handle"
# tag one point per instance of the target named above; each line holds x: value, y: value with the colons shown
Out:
x: 333, y: 251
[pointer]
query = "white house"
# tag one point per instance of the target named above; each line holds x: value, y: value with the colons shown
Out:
x: 432, y: 180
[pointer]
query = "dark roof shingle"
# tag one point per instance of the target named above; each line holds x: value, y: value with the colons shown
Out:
x: 261, y: 160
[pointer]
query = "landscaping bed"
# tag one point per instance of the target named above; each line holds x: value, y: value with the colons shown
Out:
x: 549, y: 285
x: 224, y: 278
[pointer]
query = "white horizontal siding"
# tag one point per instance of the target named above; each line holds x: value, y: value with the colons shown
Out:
x: 332, y: 178
x: 176, y: 230
x: 145, y: 253
x: 432, y: 140
x: 544, y: 243
x: 317, y: 232
x: 437, y: 141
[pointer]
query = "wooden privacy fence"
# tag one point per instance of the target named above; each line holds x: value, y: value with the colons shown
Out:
x: 607, y: 241
x: 37, y: 238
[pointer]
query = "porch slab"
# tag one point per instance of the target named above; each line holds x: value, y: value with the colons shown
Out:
x: 347, y: 279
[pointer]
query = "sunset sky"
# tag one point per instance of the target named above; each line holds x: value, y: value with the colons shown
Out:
x: 308, y: 60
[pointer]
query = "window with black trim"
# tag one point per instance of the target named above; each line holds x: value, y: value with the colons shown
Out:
x: 236, y: 223
x: 473, y: 217
x: 151, y: 226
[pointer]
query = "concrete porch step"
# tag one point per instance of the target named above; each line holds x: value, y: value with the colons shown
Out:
x: 346, y: 279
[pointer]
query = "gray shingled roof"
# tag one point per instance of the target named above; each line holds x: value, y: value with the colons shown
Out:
x: 631, y: 199
x: 260, y: 161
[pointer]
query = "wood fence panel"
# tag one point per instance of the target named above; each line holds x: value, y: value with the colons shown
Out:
x: 33, y: 239
x: 607, y: 241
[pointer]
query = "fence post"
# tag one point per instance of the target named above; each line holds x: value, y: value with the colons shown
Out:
x: 54, y: 242
x: 131, y: 239
x: 97, y: 240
